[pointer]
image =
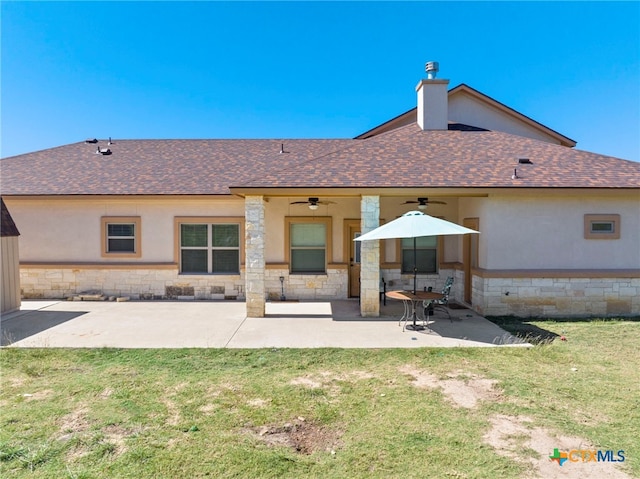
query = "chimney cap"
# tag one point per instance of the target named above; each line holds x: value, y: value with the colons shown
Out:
x: 432, y: 69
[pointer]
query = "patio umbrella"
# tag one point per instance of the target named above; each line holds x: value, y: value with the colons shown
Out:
x: 413, y: 225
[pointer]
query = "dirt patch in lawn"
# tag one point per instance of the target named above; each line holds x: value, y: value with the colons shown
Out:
x: 516, y: 437
x: 38, y: 395
x: 323, y: 378
x: 304, y: 437
x: 461, y: 389
x: 75, y: 422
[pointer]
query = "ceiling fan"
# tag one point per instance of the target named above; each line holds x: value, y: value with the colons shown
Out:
x: 313, y: 203
x: 424, y: 202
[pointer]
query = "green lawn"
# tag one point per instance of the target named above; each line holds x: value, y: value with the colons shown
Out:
x: 111, y: 413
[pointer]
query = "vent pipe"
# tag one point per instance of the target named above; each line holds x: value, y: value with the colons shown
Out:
x: 432, y: 69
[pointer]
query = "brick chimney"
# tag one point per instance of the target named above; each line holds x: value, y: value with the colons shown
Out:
x: 433, y: 110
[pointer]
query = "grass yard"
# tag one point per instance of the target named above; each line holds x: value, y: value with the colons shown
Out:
x: 325, y: 413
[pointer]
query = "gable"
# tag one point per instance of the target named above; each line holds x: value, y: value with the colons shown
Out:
x: 470, y: 107
x: 467, y: 106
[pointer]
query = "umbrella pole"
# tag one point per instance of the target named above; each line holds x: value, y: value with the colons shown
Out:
x: 415, y: 265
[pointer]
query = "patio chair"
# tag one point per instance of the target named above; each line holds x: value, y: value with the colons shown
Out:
x: 443, y: 304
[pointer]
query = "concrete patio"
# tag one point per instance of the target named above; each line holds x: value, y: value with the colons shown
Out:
x: 223, y: 324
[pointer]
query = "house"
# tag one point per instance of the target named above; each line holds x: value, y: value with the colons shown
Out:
x: 250, y: 219
x: 10, y: 281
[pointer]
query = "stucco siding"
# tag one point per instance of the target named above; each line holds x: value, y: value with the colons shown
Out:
x: 469, y: 111
x: 527, y: 232
x: 70, y: 230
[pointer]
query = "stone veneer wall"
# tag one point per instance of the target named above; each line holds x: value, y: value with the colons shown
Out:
x: 556, y: 297
x: 528, y: 297
x: 333, y: 285
x: 58, y: 283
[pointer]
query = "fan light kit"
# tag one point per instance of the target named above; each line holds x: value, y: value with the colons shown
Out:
x: 424, y: 202
x: 313, y: 203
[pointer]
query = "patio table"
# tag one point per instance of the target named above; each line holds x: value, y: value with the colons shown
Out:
x: 410, y: 300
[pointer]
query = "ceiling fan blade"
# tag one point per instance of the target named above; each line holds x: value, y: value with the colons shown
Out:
x: 436, y: 202
x: 326, y: 202
x: 299, y: 203
x: 409, y: 202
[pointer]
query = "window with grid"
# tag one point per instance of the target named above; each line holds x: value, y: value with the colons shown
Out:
x: 121, y: 238
x: 426, y: 255
x: 210, y: 248
x: 308, y: 247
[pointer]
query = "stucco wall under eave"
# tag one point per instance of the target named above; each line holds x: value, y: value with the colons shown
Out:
x: 470, y: 111
x: 475, y: 208
x: 68, y: 230
x: 277, y: 208
x: 530, y: 232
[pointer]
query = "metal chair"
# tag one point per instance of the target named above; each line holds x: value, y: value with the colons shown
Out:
x: 443, y: 304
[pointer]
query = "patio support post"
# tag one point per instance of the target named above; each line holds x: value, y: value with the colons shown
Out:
x: 255, y: 256
x: 370, y: 258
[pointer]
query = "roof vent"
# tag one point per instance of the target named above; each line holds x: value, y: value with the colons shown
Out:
x: 103, y: 151
x: 91, y: 140
x: 432, y: 69
x: 525, y: 161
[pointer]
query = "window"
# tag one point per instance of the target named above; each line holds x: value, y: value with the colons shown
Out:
x: 209, y: 248
x: 308, y: 248
x: 120, y: 236
x: 602, y: 226
x: 425, y: 260
x: 209, y: 244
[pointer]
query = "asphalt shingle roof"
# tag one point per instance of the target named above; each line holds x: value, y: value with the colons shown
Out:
x: 410, y: 157
x: 404, y: 157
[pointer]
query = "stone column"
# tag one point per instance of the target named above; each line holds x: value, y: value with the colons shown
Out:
x: 370, y: 258
x: 255, y: 255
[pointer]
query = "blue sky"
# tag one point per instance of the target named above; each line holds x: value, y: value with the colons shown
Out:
x: 77, y: 70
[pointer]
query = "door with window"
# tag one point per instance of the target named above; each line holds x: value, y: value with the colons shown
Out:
x: 352, y: 255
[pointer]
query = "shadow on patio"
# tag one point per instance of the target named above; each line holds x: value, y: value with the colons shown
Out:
x: 465, y: 324
x: 25, y: 324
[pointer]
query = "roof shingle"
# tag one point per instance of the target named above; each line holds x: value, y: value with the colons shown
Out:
x: 404, y: 157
